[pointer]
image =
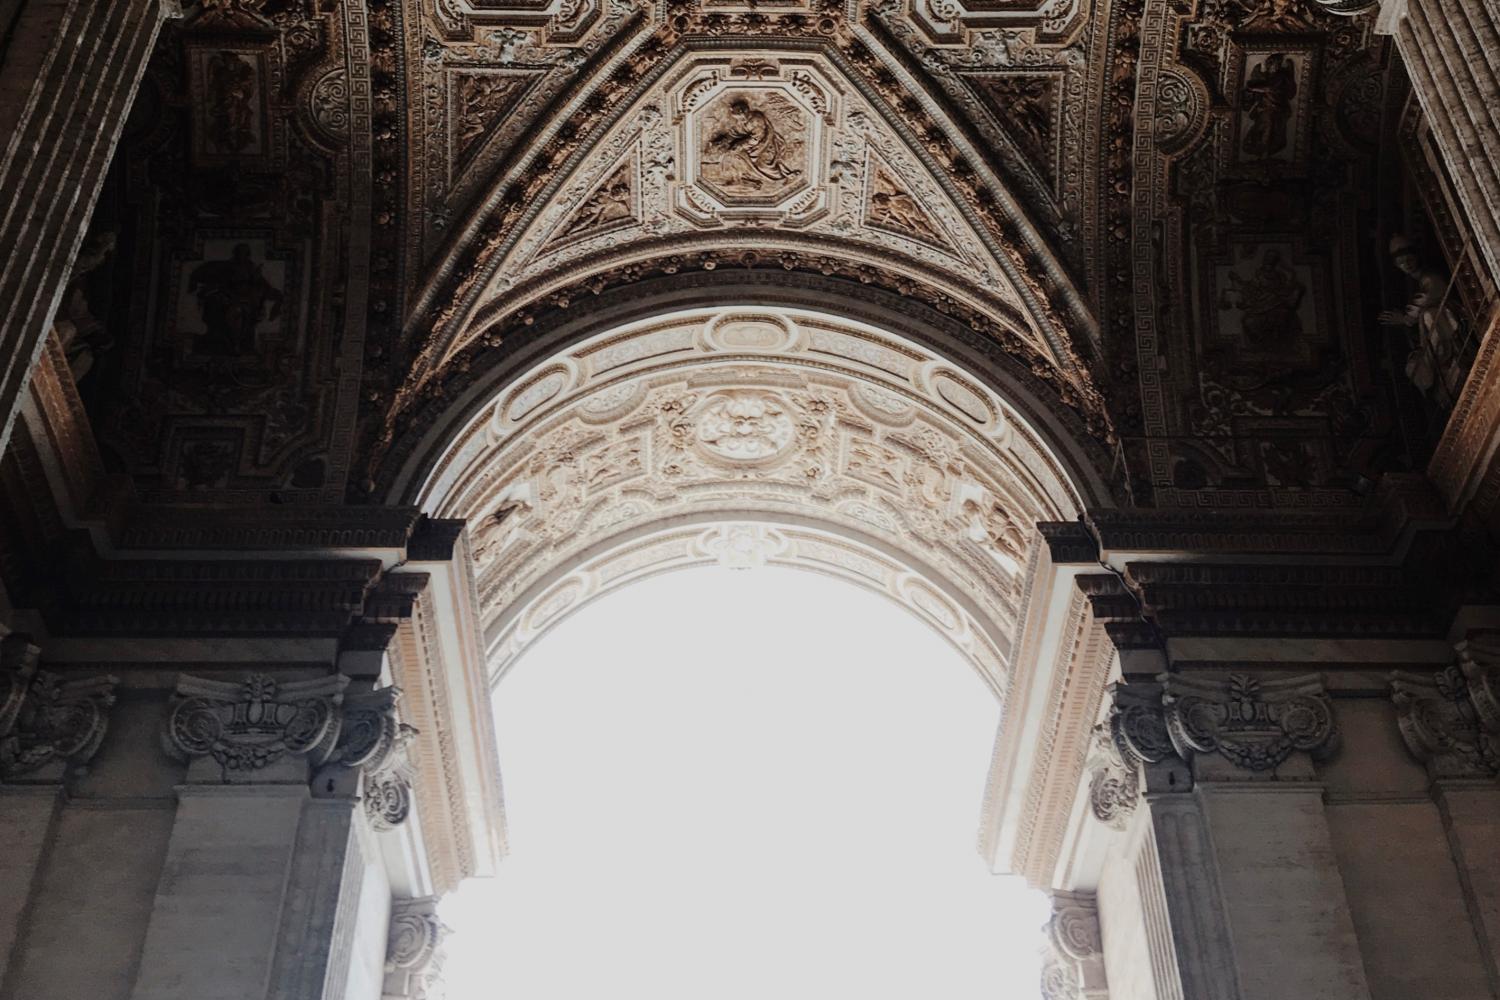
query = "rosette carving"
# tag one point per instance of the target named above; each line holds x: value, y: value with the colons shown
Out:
x: 45, y: 717
x: 1254, y: 724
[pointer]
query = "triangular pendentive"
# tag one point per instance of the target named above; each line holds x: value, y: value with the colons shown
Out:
x: 891, y: 206
x: 479, y: 101
x: 1028, y: 106
x: 612, y: 204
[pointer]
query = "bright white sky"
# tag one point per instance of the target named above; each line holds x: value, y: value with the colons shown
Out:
x: 732, y: 784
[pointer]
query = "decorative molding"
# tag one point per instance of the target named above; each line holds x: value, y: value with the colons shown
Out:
x: 45, y: 718
x: 1255, y: 724
x: 414, y: 950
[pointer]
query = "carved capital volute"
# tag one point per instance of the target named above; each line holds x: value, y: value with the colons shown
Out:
x: 45, y: 718
x: 1138, y: 725
x: 1253, y: 723
x: 353, y: 740
x: 1441, y: 725
x: 414, y: 950
x: 1114, y: 783
x: 1073, y: 968
x: 1479, y: 659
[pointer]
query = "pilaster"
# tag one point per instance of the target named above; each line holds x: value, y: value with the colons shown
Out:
x: 70, y: 74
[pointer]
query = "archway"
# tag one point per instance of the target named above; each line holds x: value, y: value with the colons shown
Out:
x: 743, y: 783
x: 672, y: 429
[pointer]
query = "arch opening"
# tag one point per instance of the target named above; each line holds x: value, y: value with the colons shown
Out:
x: 756, y: 431
x: 738, y: 784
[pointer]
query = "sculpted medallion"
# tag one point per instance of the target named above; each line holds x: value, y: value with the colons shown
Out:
x: 745, y: 425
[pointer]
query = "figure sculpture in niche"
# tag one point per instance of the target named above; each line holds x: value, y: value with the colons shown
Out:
x: 232, y: 298
x: 750, y: 149
x: 83, y: 337
x: 1435, y: 364
x: 1269, y: 298
x: 231, y: 114
x: 1270, y: 90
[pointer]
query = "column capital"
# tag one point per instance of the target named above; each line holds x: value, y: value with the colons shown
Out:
x: 265, y: 729
x: 414, y: 950
x: 47, y: 721
x: 1074, y: 966
x: 1254, y: 723
x: 1440, y: 726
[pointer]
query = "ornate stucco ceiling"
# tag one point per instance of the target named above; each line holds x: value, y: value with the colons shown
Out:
x: 330, y: 219
x: 838, y: 446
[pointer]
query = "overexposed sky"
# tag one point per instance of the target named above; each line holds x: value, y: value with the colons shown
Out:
x: 733, y: 784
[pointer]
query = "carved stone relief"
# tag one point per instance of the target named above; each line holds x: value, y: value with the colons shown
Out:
x: 1256, y: 724
x: 46, y: 718
x: 251, y: 725
x: 776, y: 413
x: 414, y: 951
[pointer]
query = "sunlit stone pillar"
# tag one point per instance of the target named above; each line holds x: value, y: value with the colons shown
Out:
x: 70, y: 72
x: 1235, y: 837
x: 1452, y: 51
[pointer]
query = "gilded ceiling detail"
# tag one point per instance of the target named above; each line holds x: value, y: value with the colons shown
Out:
x: 1207, y: 228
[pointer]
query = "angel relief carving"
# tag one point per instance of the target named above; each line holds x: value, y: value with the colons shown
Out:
x: 892, y: 207
x: 753, y: 144
x: 608, y: 207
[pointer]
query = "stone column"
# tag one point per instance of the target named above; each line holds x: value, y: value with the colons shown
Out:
x: 1452, y: 51
x: 1251, y: 884
x: 70, y: 73
x: 260, y: 892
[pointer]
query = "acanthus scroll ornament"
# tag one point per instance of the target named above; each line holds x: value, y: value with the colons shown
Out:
x: 1254, y: 724
x: 1074, y: 965
x: 45, y: 718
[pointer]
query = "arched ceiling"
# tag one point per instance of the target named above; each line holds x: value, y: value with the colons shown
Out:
x: 329, y: 219
x: 837, y: 446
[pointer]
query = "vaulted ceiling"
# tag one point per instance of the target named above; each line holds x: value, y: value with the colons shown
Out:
x: 329, y: 218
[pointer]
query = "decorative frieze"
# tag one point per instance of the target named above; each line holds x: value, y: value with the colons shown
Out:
x: 1255, y: 724
x: 45, y: 718
x: 414, y: 950
x: 1440, y: 725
